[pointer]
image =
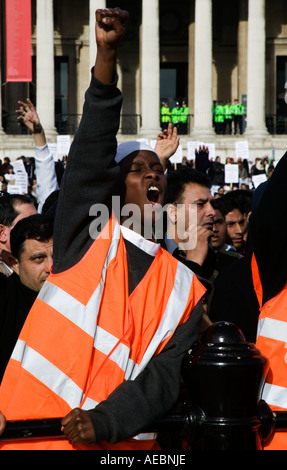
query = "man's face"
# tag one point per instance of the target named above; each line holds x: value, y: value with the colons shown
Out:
x: 34, y: 263
x: 195, y: 203
x: 219, y: 230
x: 145, y: 186
x: 236, y: 228
x: 24, y: 210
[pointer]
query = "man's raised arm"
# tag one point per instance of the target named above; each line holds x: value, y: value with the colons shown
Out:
x: 91, y: 176
x: 110, y: 29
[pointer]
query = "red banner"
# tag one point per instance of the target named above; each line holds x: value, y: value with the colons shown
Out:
x: 18, y: 41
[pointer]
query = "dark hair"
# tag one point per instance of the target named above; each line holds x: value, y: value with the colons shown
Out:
x: 178, y: 179
x: 226, y: 204
x: 242, y: 197
x: 218, y: 204
x: 8, y: 213
x: 35, y: 227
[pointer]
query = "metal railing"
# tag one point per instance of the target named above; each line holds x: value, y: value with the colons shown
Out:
x: 68, y: 124
x: 130, y: 124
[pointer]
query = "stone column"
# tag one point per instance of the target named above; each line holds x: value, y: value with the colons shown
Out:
x: 242, y: 48
x: 45, y: 65
x: 94, y: 5
x: 191, y: 36
x: 256, y: 69
x: 203, y: 71
x: 150, y: 69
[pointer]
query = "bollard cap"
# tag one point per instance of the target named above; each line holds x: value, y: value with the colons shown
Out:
x: 223, y: 339
x: 223, y: 333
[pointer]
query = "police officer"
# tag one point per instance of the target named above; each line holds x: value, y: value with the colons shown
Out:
x: 238, y: 111
x: 184, y: 114
x: 219, y: 118
x: 165, y: 115
x: 175, y: 115
x: 228, y: 117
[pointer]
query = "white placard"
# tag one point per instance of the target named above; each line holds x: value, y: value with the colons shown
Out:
x: 21, y: 177
x: 211, y: 150
x: 192, y: 146
x: 231, y: 171
x: 63, y: 144
x: 258, y: 179
x: 177, y: 156
x: 14, y: 189
x: 242, y: 149
x: 18, y: 166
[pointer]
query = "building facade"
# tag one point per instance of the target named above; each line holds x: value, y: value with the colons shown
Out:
x: 198, y: 51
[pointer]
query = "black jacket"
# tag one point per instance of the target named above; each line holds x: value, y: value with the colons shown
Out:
x: 268, y: 232
x: 15, y: 304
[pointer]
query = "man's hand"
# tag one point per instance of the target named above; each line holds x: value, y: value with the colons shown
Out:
x: 29, y: 116
x: 196, y: 243
x: 167, y: 144
x: 110, y: 29
x: 110, y: 26
x: 202, y: 150
x: 78, y: 427
x: 2, y: 423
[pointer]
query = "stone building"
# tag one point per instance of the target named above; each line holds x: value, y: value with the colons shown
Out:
x: 199, y: 51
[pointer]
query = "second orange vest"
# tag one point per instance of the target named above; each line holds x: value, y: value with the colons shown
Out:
x: 272, y: 343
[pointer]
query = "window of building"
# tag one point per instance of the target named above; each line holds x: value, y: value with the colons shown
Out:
x: 61, y: 93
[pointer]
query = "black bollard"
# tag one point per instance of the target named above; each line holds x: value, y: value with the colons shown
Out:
x: 224, y: 376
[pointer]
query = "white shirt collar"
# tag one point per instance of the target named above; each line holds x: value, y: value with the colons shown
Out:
x: 138, y: 240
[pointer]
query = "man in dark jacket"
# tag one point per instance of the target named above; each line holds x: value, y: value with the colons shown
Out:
x: 32, y: 248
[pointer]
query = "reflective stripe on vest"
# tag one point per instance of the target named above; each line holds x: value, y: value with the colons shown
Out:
x: 85, y: 336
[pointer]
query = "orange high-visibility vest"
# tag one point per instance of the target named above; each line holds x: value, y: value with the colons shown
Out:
x: 272, y: 342
x: 85, y: 335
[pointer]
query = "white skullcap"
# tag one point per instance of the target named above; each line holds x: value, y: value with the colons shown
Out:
x: 127, y: 148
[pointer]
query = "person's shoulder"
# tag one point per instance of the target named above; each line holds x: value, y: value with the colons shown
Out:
x: 4, y: 282
x: 3, y: 278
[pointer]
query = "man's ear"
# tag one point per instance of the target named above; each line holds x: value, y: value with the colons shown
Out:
x: 172, y: 213
x: 13, y: 262
x: 4, y: 233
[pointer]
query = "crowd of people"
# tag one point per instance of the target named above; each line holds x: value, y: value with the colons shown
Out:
x: 216, y: 174
x: 95, y: 317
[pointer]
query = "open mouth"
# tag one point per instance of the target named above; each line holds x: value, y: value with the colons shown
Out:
x: 153, y: 195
